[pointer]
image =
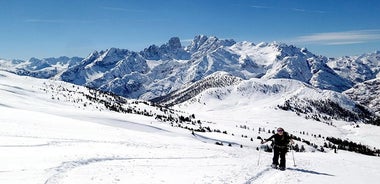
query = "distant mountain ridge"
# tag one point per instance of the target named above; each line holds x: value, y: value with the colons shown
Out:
x: 159, y: 70
x: 40, y: 68
x: 357, y: 68
x: 367, y: 94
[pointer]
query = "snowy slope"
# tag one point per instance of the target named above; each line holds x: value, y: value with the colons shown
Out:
x: 290, y: 95
x: 258, y: 102
x: 217, y: 79
x: 48, y: 135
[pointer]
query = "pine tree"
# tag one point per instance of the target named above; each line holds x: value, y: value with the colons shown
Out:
x: 296, y: 148
x: 302, y: 148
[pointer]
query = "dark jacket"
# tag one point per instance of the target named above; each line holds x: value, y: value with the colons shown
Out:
x: 280, y: 141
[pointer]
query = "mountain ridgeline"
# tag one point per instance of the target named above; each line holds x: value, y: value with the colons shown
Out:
x: 172, y: 73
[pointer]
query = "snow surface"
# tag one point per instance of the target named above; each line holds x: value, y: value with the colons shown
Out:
x: 262, y: 54
x: 45, y: 140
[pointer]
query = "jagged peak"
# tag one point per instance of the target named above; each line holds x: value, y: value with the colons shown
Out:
x: 94, y: 53
x: 113, y: 54
x: 281, y: 45
x: 202, y: 43
x: 197, y: 42
x: 247, y: 43
x: 174, y: 43
x: 371, y: 54
x: 291, y: 50
x: 34, y: 59
x: 170, y: 50
x: 262, y: 44
x: 114, y: 50
x: 202, y: 38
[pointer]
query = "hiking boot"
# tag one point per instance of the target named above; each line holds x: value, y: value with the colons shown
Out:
x: 282, y: 168
x: 274, y: 166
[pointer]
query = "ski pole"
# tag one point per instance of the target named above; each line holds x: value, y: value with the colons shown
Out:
x: 294, y: 161
x: 258, y: 161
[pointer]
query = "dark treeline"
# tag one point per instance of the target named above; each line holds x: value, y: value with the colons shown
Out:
x: 352, y: 146
x: 327, y: 110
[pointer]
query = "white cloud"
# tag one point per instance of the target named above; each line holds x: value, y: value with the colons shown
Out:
x: 44, y: 20
x: 340, y: 38
x: 123, y: 9
x: 288, y: 9
x: 265, y: 7
x: 308, y: 11
x: 58, y: 21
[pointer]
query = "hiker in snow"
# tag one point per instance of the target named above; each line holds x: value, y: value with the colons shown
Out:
x: 280, y: 147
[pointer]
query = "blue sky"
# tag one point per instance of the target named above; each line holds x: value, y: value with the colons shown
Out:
x: 52, y: 28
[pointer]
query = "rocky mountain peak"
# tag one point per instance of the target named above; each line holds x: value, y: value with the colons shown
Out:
x: 171, y: 50
x: 174, y: 43
x: 202, y: 44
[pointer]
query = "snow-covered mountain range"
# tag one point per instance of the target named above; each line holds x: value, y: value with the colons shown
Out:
x: 172, y: 73
x: 159, y: 70
x: 367, y: 94
x: 357, y: 68
x: 40, y: 68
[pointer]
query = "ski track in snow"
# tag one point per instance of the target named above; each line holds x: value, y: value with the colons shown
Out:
x: 212, y: 140
x: 274, y: 176
x: 266, y: 175
x: 258, y: 175
x: 67, y: 166
x: 290, y: 175
x: 58, y: 141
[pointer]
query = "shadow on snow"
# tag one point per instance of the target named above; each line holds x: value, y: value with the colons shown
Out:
x: 309, y: 171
